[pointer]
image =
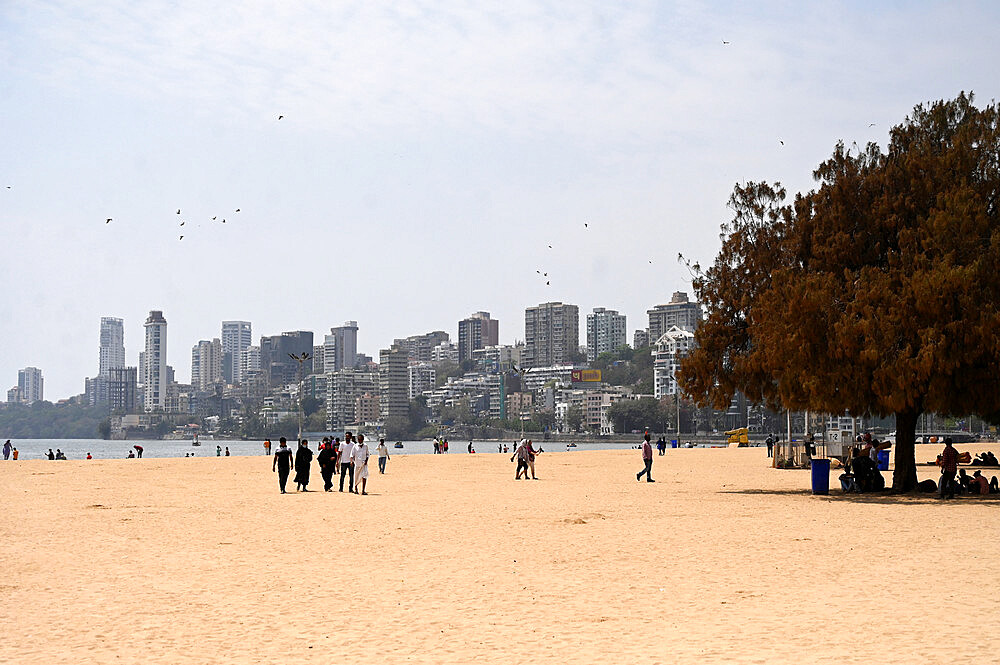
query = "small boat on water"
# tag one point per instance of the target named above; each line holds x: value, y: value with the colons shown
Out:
x: 194, y: 441
x: 399, y: 444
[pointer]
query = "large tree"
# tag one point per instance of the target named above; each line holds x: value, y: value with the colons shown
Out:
x: 875, y: 293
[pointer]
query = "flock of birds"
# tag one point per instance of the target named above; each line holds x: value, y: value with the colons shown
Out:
x: 183, y: 222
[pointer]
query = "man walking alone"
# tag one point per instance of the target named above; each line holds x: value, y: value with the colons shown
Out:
x: 647, y: 459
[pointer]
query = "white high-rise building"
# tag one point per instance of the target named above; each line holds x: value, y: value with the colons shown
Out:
x: 672, y: 347
x: 30, y: 385
x: 679, y: 312
x: 155, y: 363
x: 605, y: 332
x: 206, y: 364
x: 345, y: 345
x: 237, y: 336
x: 551, y: 334
x: 250, y: 360
x: 422, y: 377
x: 112, y: 354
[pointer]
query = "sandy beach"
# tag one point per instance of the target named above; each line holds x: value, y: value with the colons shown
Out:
x: 450, y: 560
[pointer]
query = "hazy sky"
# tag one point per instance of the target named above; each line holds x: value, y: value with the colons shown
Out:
x: 428, y: 155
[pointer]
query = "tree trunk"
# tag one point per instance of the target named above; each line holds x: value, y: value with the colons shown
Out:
x: 904, y: 475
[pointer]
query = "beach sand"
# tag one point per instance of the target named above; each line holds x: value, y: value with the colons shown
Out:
x: 450, y: 560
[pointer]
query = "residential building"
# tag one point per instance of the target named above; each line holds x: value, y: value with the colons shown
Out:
x: 475, y: 332
x: 422, y: 377
x: 482, y: 390
x: 393, y: 382
x: 679, y: 312
x: 672, y: 347
x: 536, y: 377
x: 14, y: 395
x: 551, y: 334
x: 594, y: 406
x: 445, y: 352
x: 605, y: 332
x: 155, y: 363
x: 344, y: 347
x: 206, y: 364
x: 276, y: 359
x: 30, y: 385
x: 344, y: 388
x: 237, y: 336
x: 366, y: 409
x: 419, y: 348
x: 499, y: 358
x: 640, y: 339
x: 249, y: 361
x: 112, y: 351
x: 123, y: 390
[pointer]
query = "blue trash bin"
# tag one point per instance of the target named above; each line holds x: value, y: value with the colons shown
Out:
x: 883, y: 460
x: 821, y: 476
x: 673, y: 443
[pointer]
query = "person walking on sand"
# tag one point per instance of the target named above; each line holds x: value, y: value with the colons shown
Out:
x: 6, y: 450
x: 647, y: 460
x: 360, y: 456
x: 218, y: 451
x: 949, y: 465
x: 383, y: 455
x: 521, y: 453
x: 303, y: 464
x: 282, y: 462
x: 346, y: 467
x: 327, y: 460
x: 531, y: 460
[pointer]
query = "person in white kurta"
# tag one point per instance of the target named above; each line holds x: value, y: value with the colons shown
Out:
x: 360, y: 457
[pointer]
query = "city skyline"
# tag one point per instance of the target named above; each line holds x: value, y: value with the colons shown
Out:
x: 427, y: 164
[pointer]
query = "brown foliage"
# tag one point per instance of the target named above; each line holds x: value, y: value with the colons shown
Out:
x: 877, y: 292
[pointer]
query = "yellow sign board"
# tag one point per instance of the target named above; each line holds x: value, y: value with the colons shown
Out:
x: 586, y: 376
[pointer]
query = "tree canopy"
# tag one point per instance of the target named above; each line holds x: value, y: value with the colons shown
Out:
x: 876, y: 292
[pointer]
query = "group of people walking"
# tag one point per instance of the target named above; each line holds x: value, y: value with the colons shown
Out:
x: 349, y: 460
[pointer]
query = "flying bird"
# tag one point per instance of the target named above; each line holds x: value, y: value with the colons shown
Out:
x: 280, y: 117
x: 545, y: 274
x: 871, y: 124
x: 546, y: 283
x: 724, y: 41
x: 178, y: 211
x: 781, y: 142
x: 650, y: 263
x: 213, y: 219
x: 585, y: 225
x: 237, y: 210
x: 182, y: 223
x: 223, y: 221
x: 539, y: 272
x: 107, y: 221
x: 550, y: 246
x: 181, y: 238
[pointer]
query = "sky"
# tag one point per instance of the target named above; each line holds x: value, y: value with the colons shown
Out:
x: 428, y: 155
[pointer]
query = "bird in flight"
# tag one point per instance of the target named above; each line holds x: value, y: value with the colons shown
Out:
x: 781, y: 142
x: 585, y: 225
x: 650, y: 263
x: 213, y: 219
x: 8, y: 186
x: 178, y: 211
x: 107, y: 221
x: 545, y: 274
x: 550, y: 246
x: 280, y: 117
x: 223, y: 221
x: 181, y: 238
x: 237, y: 210
x: 182, y: 223
x: 546, y: 282
x: 871, y: 124
x: 725, y: 42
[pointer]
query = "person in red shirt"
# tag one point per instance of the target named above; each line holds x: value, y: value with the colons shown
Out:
x: 647, y: 459
x: 949, y: 465
x: 979, y: 483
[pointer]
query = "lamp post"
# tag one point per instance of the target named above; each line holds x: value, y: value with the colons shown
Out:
x: 301, y: 358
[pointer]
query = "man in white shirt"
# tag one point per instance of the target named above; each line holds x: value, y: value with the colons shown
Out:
x: 383, y: 455
x: 346, y: 464
x: 360, y: 457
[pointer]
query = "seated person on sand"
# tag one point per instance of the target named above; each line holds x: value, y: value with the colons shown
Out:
x: 985, y: 459
x: 866, y: 474
x: 979, y: 484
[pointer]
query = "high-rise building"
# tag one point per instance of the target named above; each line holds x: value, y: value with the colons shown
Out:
x: 422, y: 377
x: 122, y: 390
x: 679, y: 312
x: 476, y: 332
x: 250, y: 361
x: 445, y: 352
x: 420, y: 348
x: 640, y: 339
x: 155, y: 361
x: 344, y: 389
x: 206, y: 364
x: 673, y: 346
x: 342, y: 342
x: 237, y: 336
x: 551, y: 334
x: 276, y: 361
x: 30, y: 385
x: 393, y: 383
x: 605, y: 332
x: 112, y: 353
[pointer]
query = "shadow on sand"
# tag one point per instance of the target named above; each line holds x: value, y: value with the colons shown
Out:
x: 886, y: 497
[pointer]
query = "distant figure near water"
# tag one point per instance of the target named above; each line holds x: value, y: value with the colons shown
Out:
x: 267, y: 446
x: 383, y: 455
x: 6, y: 450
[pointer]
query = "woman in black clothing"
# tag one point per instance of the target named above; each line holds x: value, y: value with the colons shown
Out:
x: 303, y: 462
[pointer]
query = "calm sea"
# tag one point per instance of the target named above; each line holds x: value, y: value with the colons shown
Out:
x: 101, y: 449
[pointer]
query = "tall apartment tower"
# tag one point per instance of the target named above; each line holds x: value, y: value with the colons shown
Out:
x: 393, y: 383
x: 155, y: 363
x: 551, y: 333
x: 112, y: 345
x: 476, y: 332
x: 275, y: 360
x: 605, y: 332
x: 206, y: 364
x: 341, y: 347
x: 679, y: 312
x: 30, y: 385
x: 237, y: 336
x: 122, y: 390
